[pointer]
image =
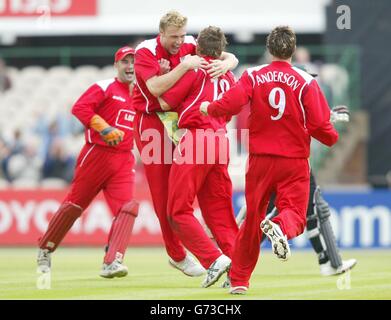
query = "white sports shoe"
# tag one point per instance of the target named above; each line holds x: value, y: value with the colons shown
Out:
x: 114, y: 269
x: 327, y: 270
x: 279, y: 241
x: 43, y: 261
x: 189, y: 266
x: 238, y: 290
x: 216, y: 270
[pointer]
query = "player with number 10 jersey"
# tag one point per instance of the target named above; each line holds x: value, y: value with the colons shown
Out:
x: 188, y: 93
x: 200, y: 166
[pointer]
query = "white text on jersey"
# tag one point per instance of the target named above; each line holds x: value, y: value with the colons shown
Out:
x: 275, y: 76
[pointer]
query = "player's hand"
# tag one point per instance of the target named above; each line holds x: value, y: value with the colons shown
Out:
x: 217, y: 68
x: 193, y: 62
x: 204, y: 63
x: 164, y: 66
x: 204, y: 107
x: 340, y: 114
x: 112, y: 136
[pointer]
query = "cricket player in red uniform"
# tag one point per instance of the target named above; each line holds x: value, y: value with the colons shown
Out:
x: 287, y: 108
x: 200, y: 166
x: 171, y: 51
x: 104, y: 164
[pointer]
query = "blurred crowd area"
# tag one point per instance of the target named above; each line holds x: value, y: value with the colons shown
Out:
x: 40, y: 139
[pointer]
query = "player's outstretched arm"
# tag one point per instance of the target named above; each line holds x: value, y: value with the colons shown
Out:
x: 231, y: 102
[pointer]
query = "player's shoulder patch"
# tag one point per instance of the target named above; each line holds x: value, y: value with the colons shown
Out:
x: 104, y: 84
x: 150, y: 44
x: 307, y: 77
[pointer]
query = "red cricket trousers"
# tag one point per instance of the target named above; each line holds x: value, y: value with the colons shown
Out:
x: 156, y: 151
x: 289, y: 179
x: 206, y: 177
x: 98, y: 168
x: 102, y: 168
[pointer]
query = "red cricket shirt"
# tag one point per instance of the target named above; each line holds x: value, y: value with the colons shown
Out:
x: 111, y: 100
x: 287, y: 108
x: 187, y: 94
x: 146, y: 65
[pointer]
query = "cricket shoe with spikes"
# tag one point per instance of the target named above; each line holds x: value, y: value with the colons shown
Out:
x: 43, y: 261
x: 114, y: 270
x: 280, y: 245
x: 216, y: 270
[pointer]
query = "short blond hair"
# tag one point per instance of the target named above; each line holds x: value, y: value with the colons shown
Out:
x: 172, y: 18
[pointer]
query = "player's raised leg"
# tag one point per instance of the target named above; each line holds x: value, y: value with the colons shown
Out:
x: 79, y: 197
x: 292, y: 197
x: 59, y: 226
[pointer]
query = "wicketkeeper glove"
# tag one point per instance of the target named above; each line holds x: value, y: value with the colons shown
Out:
x: 340, y: 114
x: 112, y: 136
x: 170, y: 122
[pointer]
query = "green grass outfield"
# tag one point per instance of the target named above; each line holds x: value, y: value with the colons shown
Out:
x: 75, y: 276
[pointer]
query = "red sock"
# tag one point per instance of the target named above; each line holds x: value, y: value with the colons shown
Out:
x: 59, y: 225
x: 120, y: 232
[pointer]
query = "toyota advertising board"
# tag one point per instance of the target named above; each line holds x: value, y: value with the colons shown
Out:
x: 360, y: 220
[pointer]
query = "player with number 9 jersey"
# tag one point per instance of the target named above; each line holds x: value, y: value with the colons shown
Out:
x: 287, y: 108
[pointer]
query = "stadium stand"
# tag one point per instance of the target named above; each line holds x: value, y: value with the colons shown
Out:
x: 52, y: 92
